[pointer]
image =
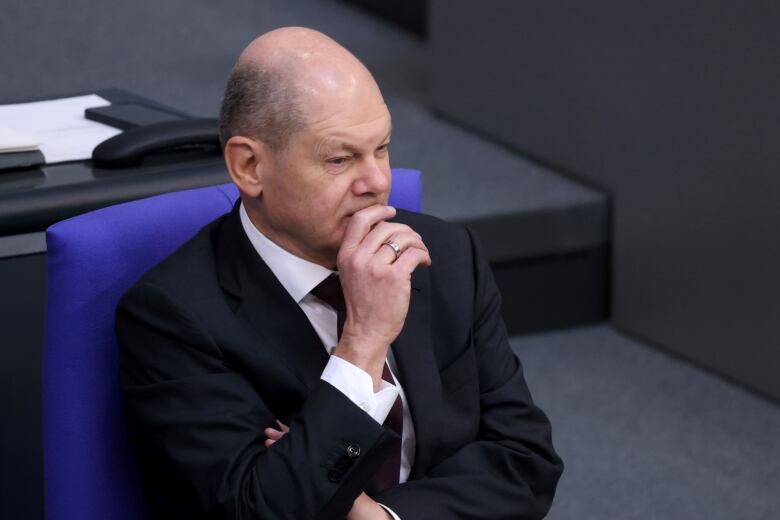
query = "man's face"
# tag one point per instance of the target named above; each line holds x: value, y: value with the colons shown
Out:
x: 338, y: 165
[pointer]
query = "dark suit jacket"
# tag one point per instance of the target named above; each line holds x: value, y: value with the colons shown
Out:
x: 213, y: 350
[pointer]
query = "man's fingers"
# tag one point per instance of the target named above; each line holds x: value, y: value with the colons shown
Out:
x: 400, y: 233
x: 405, y: 241
x: 411, y: 258
x: 274, y: 434
x: 376, y: 242
x: 361, y: 223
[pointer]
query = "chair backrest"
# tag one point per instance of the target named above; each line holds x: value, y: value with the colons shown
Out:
x: 92, y: 260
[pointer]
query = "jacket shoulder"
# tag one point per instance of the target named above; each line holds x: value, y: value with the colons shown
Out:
x: 433, y: 228
x: 193, y: 261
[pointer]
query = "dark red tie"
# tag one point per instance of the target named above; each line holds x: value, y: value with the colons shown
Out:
x: 330, y: 292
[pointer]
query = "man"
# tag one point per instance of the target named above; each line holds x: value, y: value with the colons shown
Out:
x: 316, y: 353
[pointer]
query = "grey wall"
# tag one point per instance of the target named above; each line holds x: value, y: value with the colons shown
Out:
x: 674, y: 108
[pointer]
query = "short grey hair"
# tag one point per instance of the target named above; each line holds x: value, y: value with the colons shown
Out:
x: 260, y: 103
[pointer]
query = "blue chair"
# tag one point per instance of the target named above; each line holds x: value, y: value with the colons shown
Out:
x: 92, y: 260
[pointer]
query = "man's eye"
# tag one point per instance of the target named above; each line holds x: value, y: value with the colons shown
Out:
x: 338, y: 161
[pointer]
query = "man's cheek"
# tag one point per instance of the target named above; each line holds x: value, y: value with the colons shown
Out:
x: 341, y: 229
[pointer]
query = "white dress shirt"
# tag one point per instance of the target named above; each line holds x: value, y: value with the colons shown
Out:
x: 299, y: 277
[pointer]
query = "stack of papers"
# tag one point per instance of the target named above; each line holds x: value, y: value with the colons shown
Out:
x: 56, y: 127
x: 17, y: 141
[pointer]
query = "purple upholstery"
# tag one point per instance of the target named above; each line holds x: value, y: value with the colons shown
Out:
x: 93, y: 259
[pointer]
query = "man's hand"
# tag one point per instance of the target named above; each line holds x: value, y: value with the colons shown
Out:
x: 364, y: 507
x: 376, y: 284
x: 273, y: 435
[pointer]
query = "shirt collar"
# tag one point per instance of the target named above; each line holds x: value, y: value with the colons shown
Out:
x: 297, y: 276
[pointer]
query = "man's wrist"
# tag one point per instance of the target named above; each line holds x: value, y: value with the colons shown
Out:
x: 367, y: 354
x: 358, y: 386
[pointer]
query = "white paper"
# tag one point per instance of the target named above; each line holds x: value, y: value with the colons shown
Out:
x: 59, y: 126
x: 16, y: 141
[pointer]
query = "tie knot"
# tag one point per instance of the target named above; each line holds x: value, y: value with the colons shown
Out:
x: 329, y: 291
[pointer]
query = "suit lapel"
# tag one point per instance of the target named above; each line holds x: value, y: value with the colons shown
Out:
x: 418, y: 371
x: 266, y: 305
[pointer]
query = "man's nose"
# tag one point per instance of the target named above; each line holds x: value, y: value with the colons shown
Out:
x: 374, y: 178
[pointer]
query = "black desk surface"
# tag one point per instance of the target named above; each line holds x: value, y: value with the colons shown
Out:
x: 34, y: 198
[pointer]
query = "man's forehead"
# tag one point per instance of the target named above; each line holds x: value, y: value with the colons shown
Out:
x: 353, y: 137
x: 354, y: 124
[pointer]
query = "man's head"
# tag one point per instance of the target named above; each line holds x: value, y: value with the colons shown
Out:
x: 305, y: 132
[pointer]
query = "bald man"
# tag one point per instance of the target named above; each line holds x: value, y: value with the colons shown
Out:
x: 316, y: 353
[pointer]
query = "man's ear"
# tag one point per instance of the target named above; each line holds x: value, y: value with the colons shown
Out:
x: 246, y: 160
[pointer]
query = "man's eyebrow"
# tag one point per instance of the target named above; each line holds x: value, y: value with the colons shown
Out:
x: 341, y: 145
x: 335, y: 146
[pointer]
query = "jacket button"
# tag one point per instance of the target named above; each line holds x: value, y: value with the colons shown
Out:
x: 353, y: 451
x: 334, y: 475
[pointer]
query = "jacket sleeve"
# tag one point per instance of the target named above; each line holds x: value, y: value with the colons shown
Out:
x: 510, y: 470
x: 197, y: 426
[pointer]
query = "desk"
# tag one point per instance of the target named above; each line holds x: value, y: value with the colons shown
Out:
x: 34, y: 198
x: 30, y: 201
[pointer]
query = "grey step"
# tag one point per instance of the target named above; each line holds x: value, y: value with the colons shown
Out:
x: 646, y: 435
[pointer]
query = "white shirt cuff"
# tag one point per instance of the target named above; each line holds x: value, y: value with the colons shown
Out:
x: 357, y: 385
x: 392, y: 513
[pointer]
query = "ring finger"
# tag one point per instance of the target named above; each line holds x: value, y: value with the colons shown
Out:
x: 402, y: 241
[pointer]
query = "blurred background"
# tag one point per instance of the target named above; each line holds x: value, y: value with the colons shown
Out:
x: 619, y: 161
